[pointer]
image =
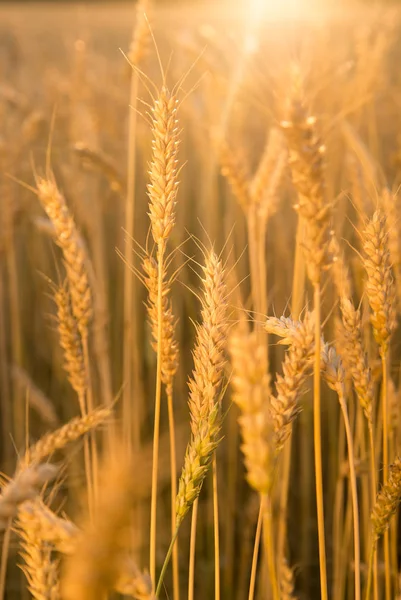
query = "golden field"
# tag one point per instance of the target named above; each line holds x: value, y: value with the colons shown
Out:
x: 200, y: 287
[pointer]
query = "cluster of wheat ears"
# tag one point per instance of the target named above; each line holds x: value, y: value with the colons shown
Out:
x: 290, y: 482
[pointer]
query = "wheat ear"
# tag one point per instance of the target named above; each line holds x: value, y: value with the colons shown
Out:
x: 286, y: 581
x: 39, y: 569
x: 68, y: 433
x: 380, y: 289
x: 204, y: 387
x: 70, y: 340
x: 296, y: 368
x: 251, y: 392
x: 387, y: 503
x: 70, y: 242
x: 26, y: 485
x: 64, y: 536
x: 162, y: 192
x: 94, y: 568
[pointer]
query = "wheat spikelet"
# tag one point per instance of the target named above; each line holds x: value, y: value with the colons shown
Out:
x: 283, y: 327
x: 306, y: 158
x: 70, y: 432
x: 162, y: 189
x: 379, y: 286
x: 94, y: 567
x: 209, y: 361
x: 296, y: 368
x: 69, y: 240
x: 356, y: 356
x: 70, y: 340
x: 169, y: 357
x: 26, y: 485
x: 387, y: 500
x: 251, y: 392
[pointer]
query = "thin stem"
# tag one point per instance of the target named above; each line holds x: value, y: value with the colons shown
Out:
x: 385, y: 473
x: 166, y: 562
x: 173, y: 468
x: 298, y: 285
x: 255, y: 556
x: 374, y: 491
x: 268, y: 541
x: 94, y: 463
x: 283, y: 501
x: 87, y: 457
x: 354, y: 495
x: 4, y: 559
x: 5, y: 398
x: 317, y: 438
x: 192, y: 547
x: 129, y: 281
x: 216, y: 532
x: 339, y: 520
x: 156, y: 428
x: 370, y: 569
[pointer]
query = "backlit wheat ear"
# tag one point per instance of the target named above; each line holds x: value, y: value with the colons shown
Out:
x: 26, y: 485
x: 204, y: 385
x: 94, y: 568
x: 70, y: 242
x: 251, y: 392
x: 234, y: 170
x: 333, y: 370
x: 388, y: 500
x: 306, y: 158
x: 380, y: 287
x: 61, y: 533
x: 141, y: 35
x: 163, y: 171
x: 286, y: 577
x: 340, y: 270
x: 391, y: 207
x: 266, y: 181
x: 39, y: 569
x: 70, y: 432
x: 64, y: 536
x: 169, y: 364
x: 356, y: 356
x: 70, y: 340
x: 296, y: 368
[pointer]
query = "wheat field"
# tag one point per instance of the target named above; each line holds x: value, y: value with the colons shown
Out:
x: 200, y: 290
